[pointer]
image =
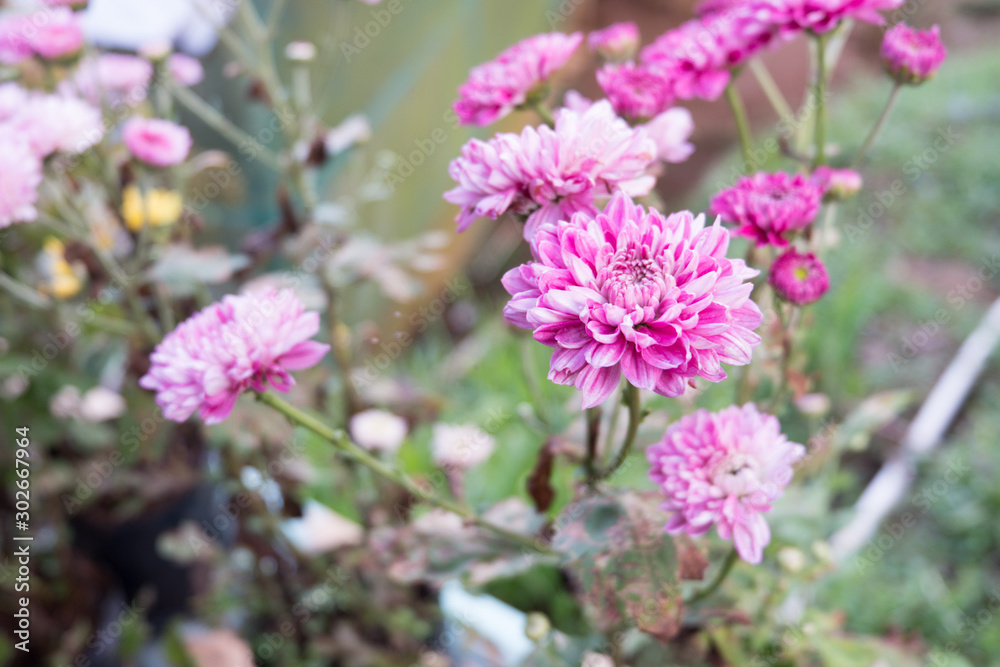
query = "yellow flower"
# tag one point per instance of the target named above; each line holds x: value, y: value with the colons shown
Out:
x: 61, y: 281
x: 159, y: 207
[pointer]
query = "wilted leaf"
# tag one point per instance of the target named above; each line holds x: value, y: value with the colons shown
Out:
x: 624, y: 564
x: 182, y: 268
x: 691, y: 561
x: 539, y: 482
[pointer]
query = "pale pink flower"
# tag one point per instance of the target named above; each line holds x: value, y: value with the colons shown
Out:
x: 20, y: 176
x: 58, y: 123
x: 617, y: 42
x: 791, y: 17
x: 837, y: 184
x: 56, y: 34
x: 186, y: 70
x: 157, y: 142
x: 767, y: 206
x: 636, y: 91
x: 912, y: 56
x: 496, y: 88
x: 250, y: 341
x: 549, y: 174
x: 629, y: 292
x: 15, y: 47
x: 378, y: 430
x: 799, y: 278
x: 724, y: 468
x: 123, y: 73
x: 460, y: 446
x: 12, y: 99
x: 671, y: 131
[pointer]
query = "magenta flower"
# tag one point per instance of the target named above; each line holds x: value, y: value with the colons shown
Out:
x: 636, y: 91
x: 496, y: 88
x: 799, y: 278
x: 768, y: 206
x: 250, y: 341
x: 58, y: 123
x: 617, y: 42
x: 635, y: 293
x: 696, y: 57
x: 791, y: 17
x: 912, y: 56
x: 549, y: 174
x: 837, y: 184
x: 20, y: 176
x: 155, y: 141
x: 724, y: 468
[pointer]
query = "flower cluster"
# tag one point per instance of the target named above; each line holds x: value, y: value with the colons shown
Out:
x: 50, y: 34
x: 250, y: 341
x: 33, y: 126
x: 634, y: 293
x: 496, y: 88
x: 724, y: 469
x: 548, y: 174
x: 769, y: 206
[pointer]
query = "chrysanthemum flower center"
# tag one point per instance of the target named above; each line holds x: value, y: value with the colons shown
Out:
x: 736, y: 474
x: 634, y: 281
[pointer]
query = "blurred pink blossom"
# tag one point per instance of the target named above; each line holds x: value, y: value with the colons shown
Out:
x: 155, y: 141
x: 20, y: 176
x: 912, y: 56
x: 617, y: 42
x: 799, y: 278
x: 766, y: 206
x: 250, y: 341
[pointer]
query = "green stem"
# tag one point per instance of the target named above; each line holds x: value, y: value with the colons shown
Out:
x: 355, y: 452
x: 742, y: 125
x: 771, y: 90
x: 720, y: 576
x: 543, y: 110
x: 223, y: 125
x: 17, y: 289
x: 819, y: 134
x: 634, y: 418
x: 879, y: 124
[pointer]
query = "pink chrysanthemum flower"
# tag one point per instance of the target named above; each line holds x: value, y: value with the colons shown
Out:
x: 636, y: 91
x: 837, y: 184
x: 157, y: 142
x: 250, y: 341
x: 696, y: 57
x: 724, y: 468
x: 57, y: 33
x: 114, y: 76
x: 58, y: 123
x: 20, y: 176
x: 549, y: 174
x: 912, y: 56
x: 617, y: 42
x: 768, y: 206
x: 496, y: 88
x: 635, y: 293
x: 791, y: 17
x: 799, y: 278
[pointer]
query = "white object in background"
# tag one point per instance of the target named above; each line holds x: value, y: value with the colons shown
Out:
x: 190, y: 25
x: 498, y: 623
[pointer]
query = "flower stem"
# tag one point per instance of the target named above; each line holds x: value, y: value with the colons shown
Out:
x: 543, y: 110
x: 742, y: 125
x: 819, y: 135
x: 720, y: 576
x: 883, y: 117
x: 771, y: 90
x: 634, y: 418
x: 340, y: 440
